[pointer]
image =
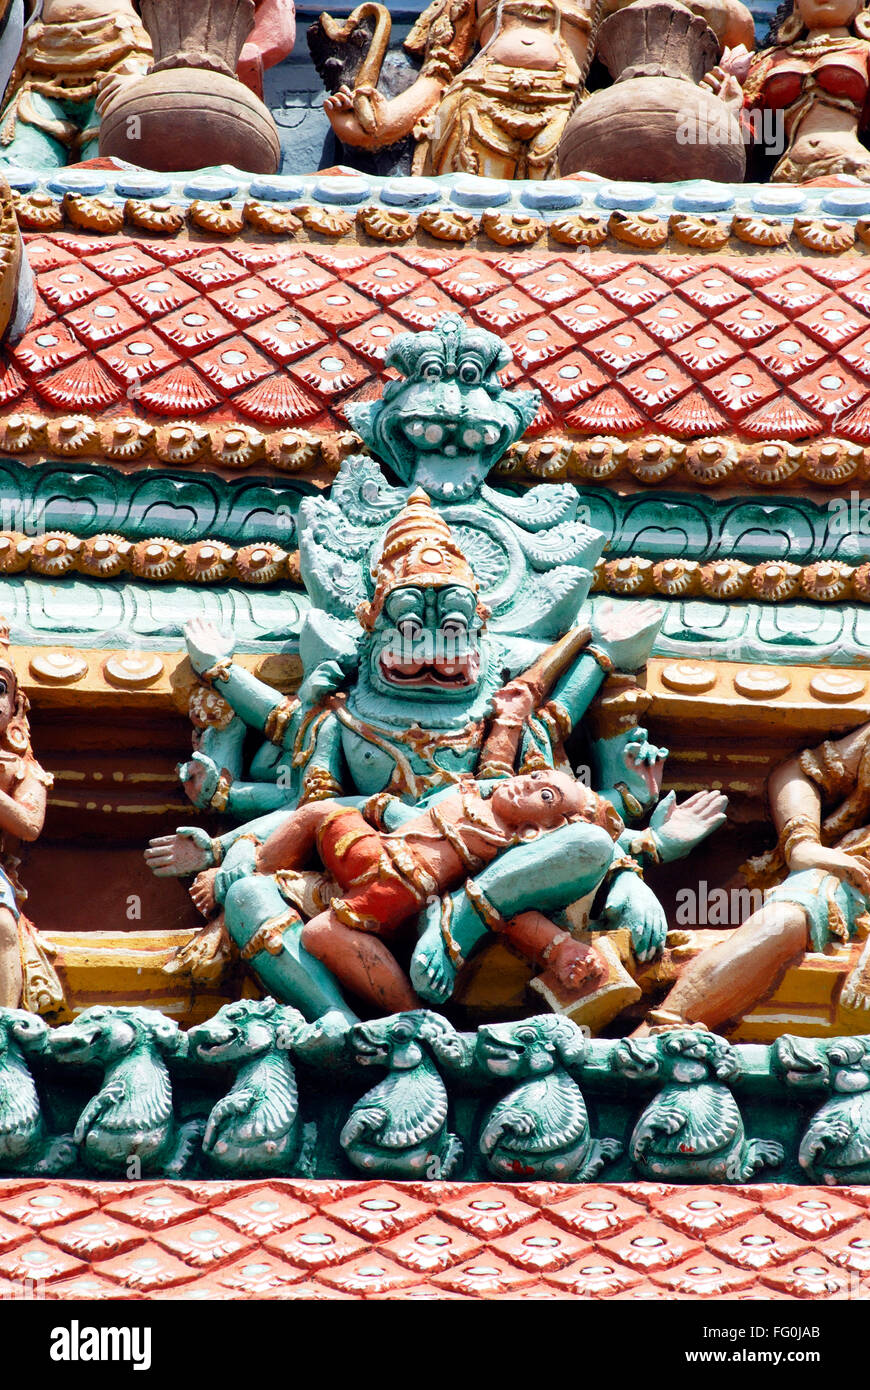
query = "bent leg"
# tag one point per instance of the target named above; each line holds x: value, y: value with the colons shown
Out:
x: 291, y: 974
x: 362, y: 962
x: 11, y: 975
x: 725, y: 981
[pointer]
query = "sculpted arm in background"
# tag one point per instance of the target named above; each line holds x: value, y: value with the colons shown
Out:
x: 395, y: 117
x: 23, y: 812
x: 793, y: 794
x: 271, y: 40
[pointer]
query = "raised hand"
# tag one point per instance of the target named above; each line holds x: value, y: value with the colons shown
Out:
x: 852, y: 868
x: 680, y: 828
x: 206, y: 644
x: 626, y: 632
x: 175, y: 856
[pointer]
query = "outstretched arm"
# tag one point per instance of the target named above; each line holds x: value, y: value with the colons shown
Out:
x: 622, y: 639
x: 796, y: 803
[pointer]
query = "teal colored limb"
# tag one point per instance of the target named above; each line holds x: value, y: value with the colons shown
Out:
x: 31, y: 148
x: 247, y: 799
x: 251, y: 698
x: 546, y: 874
x: 578, y: 687
x: 293, y: 976
x: 225, y: 746
x: 327, y: 755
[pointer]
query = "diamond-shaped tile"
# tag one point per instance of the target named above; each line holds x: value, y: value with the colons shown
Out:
x: 153, y: 1208
x: 233, y: 363
x: 858, y: 292
x: 331, y: 370
x: 122, y: 262
x: 470, y: 281
x: 587, y: 315
x: 636, y: 288
x: 484, y: 1277
x: 516, y: 265
x: 298, y: 277
x: 541, y: 1247
x: 751, y: 322
x: 340, y: 260
x: 621, y: 348
x: 849, y: 1250
x: 46, y: 347
x: 594, y: 1276
x: 37, y: 1261
x: 809, y: 1276
x: 248, y: 300
x: 857, y: 355
x: 702, y: 1211
x: 756, y: 1244
x: 194, y: 325
x: 537, y: 342
x: 86, y: 1286
x: 555, y: 283
x: 712, y: 290
x: 259, y: 1275
x: 68, y: 285
x: 147, y: 1268
x: 506, y: 309
x: 670, y: 320
x: 159, y: 293
x: 430, y: 262
x: 432, y: 1246
x: 11, y: 1233
x: 742, y: 387
x: 788, y: 354
x: 316, y: 1244
x: 203, y: 1241
x: 211, y: 269
x: 338, y: 307
x: 370, y: 1273
x: 45, y: 253
x: 425, y: 307
x: 288, y: 335
x: 706, y: 351
x: 377, y: 1212
x: 833, y: 322
x: 141, y: 355
x: 264, y: 1211
x: 813, y: 1214
x: 570, y: 379
x: 47, y: 1205
x: 259, y: 258
x: 384, y: 280
x: 488, y: 1212
x: 95, y: 1237
x: 829, y: 389
x: 656, y: 383
x: 793, y: 292
x: 103, y: 319
x: 704, y: 1277
x: 597, y: 1211
x: 650, y: 1246
x: 373, y: 339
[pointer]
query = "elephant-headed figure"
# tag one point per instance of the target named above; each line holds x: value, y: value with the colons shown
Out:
x: 399, y: 1128
x: 835, y: 1147
x: 25, y: 1144
x: 692, y: 1130
x: 129, y: 1127
x: 255, y: 1127
x: 541, y: 1128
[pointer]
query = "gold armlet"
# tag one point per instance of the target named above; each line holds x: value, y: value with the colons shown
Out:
x: 319, y: 785
x: 645, y: 843
x: 623, y: 863
x: 600, y: 656
x: 278, y: 720
x: 795, y: 831
x: 217, y: 853
x: 219, y: 672
x: 222, y: 792
x: 484, y: 908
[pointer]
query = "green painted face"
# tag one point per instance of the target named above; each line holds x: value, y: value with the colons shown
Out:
x: 427, y: 642
x: 451, y: 420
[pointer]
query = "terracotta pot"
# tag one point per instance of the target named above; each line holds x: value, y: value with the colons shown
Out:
x: 190, y: 111
x: 655, y: 122
x: 190, y: 118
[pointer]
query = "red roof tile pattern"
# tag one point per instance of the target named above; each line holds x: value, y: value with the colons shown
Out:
x: 283, y: 335
x: 322, y: 1239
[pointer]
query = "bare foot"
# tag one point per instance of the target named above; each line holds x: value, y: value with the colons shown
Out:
x: 202, y: 891
x: 576, y: 966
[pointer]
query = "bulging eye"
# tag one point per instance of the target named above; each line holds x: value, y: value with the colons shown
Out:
x: 432, y: 370
x: 469, y: 373
x: 409, y: 628
x: 454, y: 627
x: 548, y: 794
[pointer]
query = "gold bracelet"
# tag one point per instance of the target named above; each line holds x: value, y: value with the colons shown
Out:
x: 219, y: 672
x: 222, y: 792
x: 319, y: 785
x: 796, y: 830
x: 217, y: 853
x: 601, y: 657
x: 278, y: 720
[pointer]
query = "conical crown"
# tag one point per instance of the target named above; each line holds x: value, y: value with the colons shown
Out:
x: 419, y: 550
